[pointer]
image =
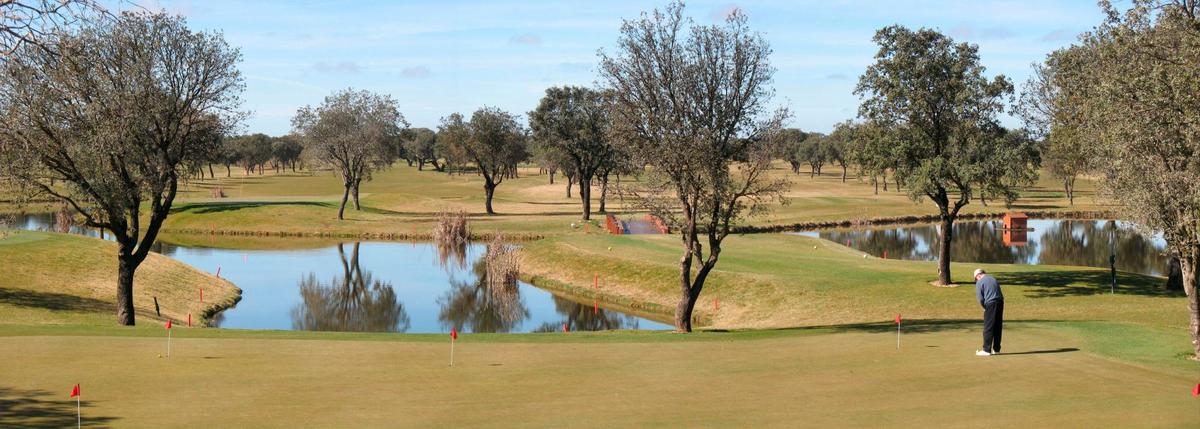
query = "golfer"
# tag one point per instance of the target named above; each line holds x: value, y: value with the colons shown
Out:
x: 987, y: 290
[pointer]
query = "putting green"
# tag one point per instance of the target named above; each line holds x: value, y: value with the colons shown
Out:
x: 1052, y: 375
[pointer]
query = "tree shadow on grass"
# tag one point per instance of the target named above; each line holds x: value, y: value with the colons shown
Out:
x: 1057, y: 284
x: 52, y: 301
x: 1041, y: 352
x: 914, y: 326
x: 40, y: 409
x: 219, y: 207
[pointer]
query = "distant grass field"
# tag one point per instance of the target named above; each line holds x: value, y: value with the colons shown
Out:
x: 402, y: 201
x: 68, y: 279
x: 1066, y: 374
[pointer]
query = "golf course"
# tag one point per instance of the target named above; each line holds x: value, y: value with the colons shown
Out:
x: 493, y: 214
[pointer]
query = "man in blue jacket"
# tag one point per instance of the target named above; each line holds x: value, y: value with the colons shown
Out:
x: 987, y: 290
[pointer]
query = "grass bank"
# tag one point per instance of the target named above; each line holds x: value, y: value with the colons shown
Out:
x: 48, y: 278
x: 778, y: 280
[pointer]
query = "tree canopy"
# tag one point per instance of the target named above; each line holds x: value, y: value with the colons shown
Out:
x: 930, y: 95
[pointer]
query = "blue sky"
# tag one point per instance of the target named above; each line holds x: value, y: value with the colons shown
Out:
x: 439, y: 57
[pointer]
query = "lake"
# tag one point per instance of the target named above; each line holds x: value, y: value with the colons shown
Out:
x: 378, y: 287
x: 1086, y: 243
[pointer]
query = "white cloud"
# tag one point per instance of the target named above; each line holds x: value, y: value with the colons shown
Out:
x: 525, y: 39
x: 418, y: 72
x: 345, y: 67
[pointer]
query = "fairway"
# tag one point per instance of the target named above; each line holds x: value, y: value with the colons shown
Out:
x: 1050, y: 375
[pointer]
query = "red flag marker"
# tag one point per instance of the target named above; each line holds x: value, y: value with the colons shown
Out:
x: 897, y: 318
x: 595, y: 307
x: 884, y: 253
x: 1195, y: 390
x: 78, y: 415
x: 565, y: 329
x: 596, y: 281
x: 453, y: 334
x: 189, y: 320
x: 897, y: 331
x: 168, y: 326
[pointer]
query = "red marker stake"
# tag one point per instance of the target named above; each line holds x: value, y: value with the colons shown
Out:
x: 565, y: 330
x: 78, y: 415
x: 168, y: 326
x: 189, y: 320
x: 596, y: 282
x: 595, y: 307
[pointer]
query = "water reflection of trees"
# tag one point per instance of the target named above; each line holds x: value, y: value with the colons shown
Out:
x: 451, y: 254
x: 972, y: 242
x: 1090, y: 243
x: 480, y: 307
x: 581, y: 317
x: 354, y: 302
x: 1082, y: 243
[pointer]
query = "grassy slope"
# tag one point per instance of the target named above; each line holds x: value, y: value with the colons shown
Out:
x: 845, y: 376
x: 777, y: 280
x: 402, y: 201
x: 59, y: 278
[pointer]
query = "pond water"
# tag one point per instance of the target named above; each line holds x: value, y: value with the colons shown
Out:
x: 379, y: 287
x: 1053, y: 242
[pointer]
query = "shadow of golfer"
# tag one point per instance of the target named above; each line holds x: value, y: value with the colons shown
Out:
x: 1041, y: 352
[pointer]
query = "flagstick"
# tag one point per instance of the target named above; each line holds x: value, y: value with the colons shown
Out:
x: 451, y: 352
x: 78, y: 415
x: 168, y: 343
x: 897, y: 336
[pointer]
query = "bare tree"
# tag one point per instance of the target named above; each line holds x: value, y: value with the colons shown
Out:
x: 35, y: 22
x: 354, y: 132
x: 691, y: 103
x: 115, y: 114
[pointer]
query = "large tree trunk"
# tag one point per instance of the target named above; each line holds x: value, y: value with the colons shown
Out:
x: 585, y: 195
x: 345, y: 197
x: 603, y: 192
x: 843, y: 174
x: 490, y: 189
x: 945, y: 235
x: 1190, y: 265
x: 357, y: 206
x: 126, y: 266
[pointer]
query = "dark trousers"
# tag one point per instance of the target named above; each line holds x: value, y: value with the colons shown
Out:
x: 993, y: 325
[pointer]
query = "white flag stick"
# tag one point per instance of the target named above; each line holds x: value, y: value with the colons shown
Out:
x: 451, y: 352
x: 897, y: 336
x: 78, y: 415
x: 168, y: 343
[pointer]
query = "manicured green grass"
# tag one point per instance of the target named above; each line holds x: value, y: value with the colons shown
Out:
x: 68, y: 279
x: 1053, y: 375
x: 780, y: 280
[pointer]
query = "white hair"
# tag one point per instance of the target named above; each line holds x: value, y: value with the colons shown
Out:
x: 979, y: 271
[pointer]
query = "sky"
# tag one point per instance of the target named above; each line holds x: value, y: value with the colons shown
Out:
x: 441, y: 57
